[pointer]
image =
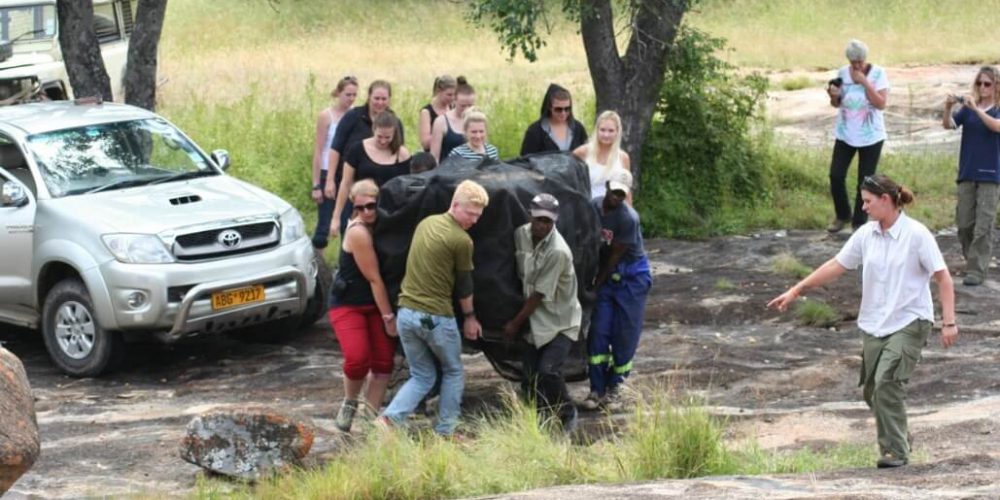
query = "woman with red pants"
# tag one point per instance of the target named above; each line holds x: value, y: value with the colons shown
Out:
x: 361, y: 314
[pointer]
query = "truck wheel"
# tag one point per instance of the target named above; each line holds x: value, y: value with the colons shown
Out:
x: 319, y: 303
x: 75, y: 340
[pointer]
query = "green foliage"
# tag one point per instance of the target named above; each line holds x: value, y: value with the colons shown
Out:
x: 514, y: 22
x: 701, y: 163
x: 786, y: 264
x: 795, y: 83
x: 724, y: 285
x: 811, y: 312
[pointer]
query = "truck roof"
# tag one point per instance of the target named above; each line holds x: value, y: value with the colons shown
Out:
x: 39, y: 117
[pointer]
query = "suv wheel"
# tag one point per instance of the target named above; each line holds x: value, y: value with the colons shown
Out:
x: 75, y: 340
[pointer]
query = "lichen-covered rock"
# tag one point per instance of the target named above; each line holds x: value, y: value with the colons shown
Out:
x: 247, y: 443
x: 19, y: 445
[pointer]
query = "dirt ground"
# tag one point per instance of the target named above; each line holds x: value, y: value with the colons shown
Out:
x: 707, y: 333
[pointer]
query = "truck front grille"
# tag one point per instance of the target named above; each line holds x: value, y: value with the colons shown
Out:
x: 223, y: 241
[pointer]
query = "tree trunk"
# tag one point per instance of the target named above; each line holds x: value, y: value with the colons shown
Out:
x: 81, y: 50
x: 140, y: 71
x: 630, y: 85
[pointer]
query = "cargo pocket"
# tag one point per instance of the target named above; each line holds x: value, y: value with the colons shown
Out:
x: 907, y: 363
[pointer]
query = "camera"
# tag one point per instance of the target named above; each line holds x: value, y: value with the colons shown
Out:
x: 959, y: 99
x: 836, y: 82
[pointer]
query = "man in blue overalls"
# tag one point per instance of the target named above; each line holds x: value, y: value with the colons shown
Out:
x: 622, y: 284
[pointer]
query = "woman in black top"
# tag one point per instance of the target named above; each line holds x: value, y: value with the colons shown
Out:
x: 361, y: 314
x: 448, y: 127
x: 443, y: 97
x: 380, y: 158
x: 556, y: 130
x: 354, y: 127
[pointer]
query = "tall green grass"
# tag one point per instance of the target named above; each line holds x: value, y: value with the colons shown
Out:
x: 516, y: 450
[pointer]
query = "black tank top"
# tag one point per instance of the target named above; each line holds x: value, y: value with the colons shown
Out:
x: 358, y: 291
x: 451, y: 140
x: 430, y: 109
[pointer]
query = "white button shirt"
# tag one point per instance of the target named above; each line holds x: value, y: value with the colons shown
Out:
x: 897, y: 266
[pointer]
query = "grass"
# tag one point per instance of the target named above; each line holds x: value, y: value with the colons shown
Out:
x: 811, y: 312
x: 724, y: 285
x: 795, y: 83
x: 786, y: 264
x: 515, y: 450
x: 788, y: 34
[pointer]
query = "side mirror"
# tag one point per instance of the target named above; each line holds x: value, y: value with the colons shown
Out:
x: 13, y: 195
x: 221, y: 158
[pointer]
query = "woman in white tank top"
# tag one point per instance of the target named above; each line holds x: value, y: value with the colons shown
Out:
x: 603, y: 152
x: 343, y: 96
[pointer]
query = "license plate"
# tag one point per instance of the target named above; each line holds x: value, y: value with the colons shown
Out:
x: 238, y: 297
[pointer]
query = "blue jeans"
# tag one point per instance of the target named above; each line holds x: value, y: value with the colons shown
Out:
x: 425, y: 337
x: 324, y: 213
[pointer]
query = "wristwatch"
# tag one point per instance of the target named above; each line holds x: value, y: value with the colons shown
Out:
x: 317, y: 186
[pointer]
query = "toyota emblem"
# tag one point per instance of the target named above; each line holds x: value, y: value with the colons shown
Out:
x: 230, y: 238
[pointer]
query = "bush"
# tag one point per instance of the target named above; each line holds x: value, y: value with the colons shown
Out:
x: 702, y: 164
x: 812, y: 312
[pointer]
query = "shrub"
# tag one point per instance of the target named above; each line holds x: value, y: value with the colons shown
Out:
x: 795, y: 83
x: 811, y: 312
x: 787, y: 264
x: 701, y: 163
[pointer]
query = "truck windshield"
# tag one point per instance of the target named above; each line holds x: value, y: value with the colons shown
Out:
x: 115, y: 155
x: 27, y: 23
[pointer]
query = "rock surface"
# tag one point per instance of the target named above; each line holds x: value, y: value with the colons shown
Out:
x: 19, y: 444
x: 248, y: 443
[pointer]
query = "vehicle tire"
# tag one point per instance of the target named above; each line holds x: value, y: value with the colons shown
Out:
x: 76, y: 341
x: 319, y: 303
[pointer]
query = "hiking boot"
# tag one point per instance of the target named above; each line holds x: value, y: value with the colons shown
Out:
x: 972, y: 280
x: 836, y: 225
x: 889, y: 461
x: 592, y: 402
x: 346, y: 415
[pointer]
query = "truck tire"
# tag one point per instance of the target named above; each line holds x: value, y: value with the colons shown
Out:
x: 319, y: 303
x: 76, y: 341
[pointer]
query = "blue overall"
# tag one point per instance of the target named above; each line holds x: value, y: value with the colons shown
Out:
x: 617, y: 323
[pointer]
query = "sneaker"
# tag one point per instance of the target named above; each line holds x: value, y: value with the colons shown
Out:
x: 889, y: 461
x: 836, y: 225
x: 972, y: 280
x: 346, y: 415
x: 592, y: 402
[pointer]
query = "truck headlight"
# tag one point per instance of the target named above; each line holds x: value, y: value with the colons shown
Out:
x: 137, y: 248
x: 292, y: 226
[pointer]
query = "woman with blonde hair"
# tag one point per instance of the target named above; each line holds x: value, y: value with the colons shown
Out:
x: 343, y: 96
x: 978, y: 170
x: 603, y: 152
x: 443, y: 97
x: 361, y: 314
x: 476, y: 147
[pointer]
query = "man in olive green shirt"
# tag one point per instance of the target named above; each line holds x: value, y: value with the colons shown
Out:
x: 551, y: 307
x: 438, y: 265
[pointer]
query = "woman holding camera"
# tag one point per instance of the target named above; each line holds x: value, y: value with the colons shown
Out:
x: 978, y: 170
x: 361, y: 315
x: 859, y: 93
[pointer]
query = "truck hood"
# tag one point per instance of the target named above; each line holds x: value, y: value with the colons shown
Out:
x: 170, y: 206
x: 19, y: 64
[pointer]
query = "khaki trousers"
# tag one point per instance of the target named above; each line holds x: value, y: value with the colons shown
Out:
x: 887, y: 363
x: 975, y: 214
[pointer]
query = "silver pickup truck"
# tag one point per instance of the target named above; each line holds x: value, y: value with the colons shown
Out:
x: 114, y: 223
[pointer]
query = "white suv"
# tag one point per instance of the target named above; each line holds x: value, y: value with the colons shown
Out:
x: 113, y: 222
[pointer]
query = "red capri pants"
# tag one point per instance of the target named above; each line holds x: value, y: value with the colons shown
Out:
x: 363, y: 340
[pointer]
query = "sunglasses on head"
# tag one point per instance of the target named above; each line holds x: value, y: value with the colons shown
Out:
x: 369, y: 207
x: 562, y: 109
x: 984, y: 84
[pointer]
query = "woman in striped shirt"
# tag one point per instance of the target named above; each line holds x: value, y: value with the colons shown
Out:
x: 475, y: 147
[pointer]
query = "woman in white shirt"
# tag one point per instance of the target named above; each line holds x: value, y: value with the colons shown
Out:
x: 342, y: 97
x: 603, y: 152
x: 898, y: 256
